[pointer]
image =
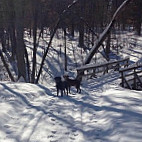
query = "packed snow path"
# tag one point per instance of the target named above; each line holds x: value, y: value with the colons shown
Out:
x: 103, y: 112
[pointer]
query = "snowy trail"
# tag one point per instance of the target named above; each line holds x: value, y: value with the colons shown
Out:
x: 62, y: 118
x: 103, y: 112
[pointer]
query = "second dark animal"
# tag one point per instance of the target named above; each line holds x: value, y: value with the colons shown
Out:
x: 73, y: 82
x: 61, y: 86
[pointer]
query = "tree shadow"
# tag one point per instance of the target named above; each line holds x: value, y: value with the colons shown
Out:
x: 70, y: 121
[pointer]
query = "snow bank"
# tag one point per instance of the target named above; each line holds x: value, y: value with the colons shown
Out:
x: 103, y: 112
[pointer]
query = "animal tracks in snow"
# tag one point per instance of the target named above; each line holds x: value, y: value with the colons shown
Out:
x: 51, y: 119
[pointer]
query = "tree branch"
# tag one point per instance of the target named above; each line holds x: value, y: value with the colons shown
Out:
x: 6, y: 66
x: 103, y: 36
x: 52, y: 36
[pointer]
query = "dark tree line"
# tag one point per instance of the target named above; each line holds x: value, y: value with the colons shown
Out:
x: 88, y: 18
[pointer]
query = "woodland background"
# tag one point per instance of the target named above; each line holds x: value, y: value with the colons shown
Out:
x: 37, y: 17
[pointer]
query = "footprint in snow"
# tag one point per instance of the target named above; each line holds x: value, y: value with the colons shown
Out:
x: 72, y: 138
x: 74, y: 130
x: 6, y: 126
x: 54, y: 132
x: 53, y: 119
x: 8, y: 132
x: 75, y: 134
x: 50, y: 136
x: 61, y: 124
x: 53, y: 140
x: 67, y: 133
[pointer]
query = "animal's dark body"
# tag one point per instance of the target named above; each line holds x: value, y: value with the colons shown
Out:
x: 73, y: 82
x: 61, y: 86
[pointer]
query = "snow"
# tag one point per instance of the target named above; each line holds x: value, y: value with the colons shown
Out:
x: 102, y: 112
x: 105, y: 32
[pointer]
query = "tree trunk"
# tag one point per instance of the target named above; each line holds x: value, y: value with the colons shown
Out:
x: 104, y: 34
x: 35, y: 41
x: 138, y: 17
x: 65, y: 49
x: 19, y: 10
x: 3, y: 40
x: 52, y: 36
x: 13, y: 40
x: 72, y: 27
x: 108, y: 45
x: 81, y: 25
x: 7, y: 67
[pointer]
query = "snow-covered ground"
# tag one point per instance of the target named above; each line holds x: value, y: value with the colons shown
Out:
x: 102, y: 112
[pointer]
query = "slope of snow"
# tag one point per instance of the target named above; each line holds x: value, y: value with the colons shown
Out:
x: 103, y: 112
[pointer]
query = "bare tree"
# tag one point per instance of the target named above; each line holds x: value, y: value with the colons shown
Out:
x: 20, y: 50
x: 104, y: 34
x: 52, y: 36
x: 35, y: 20
x: 138, y: 16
